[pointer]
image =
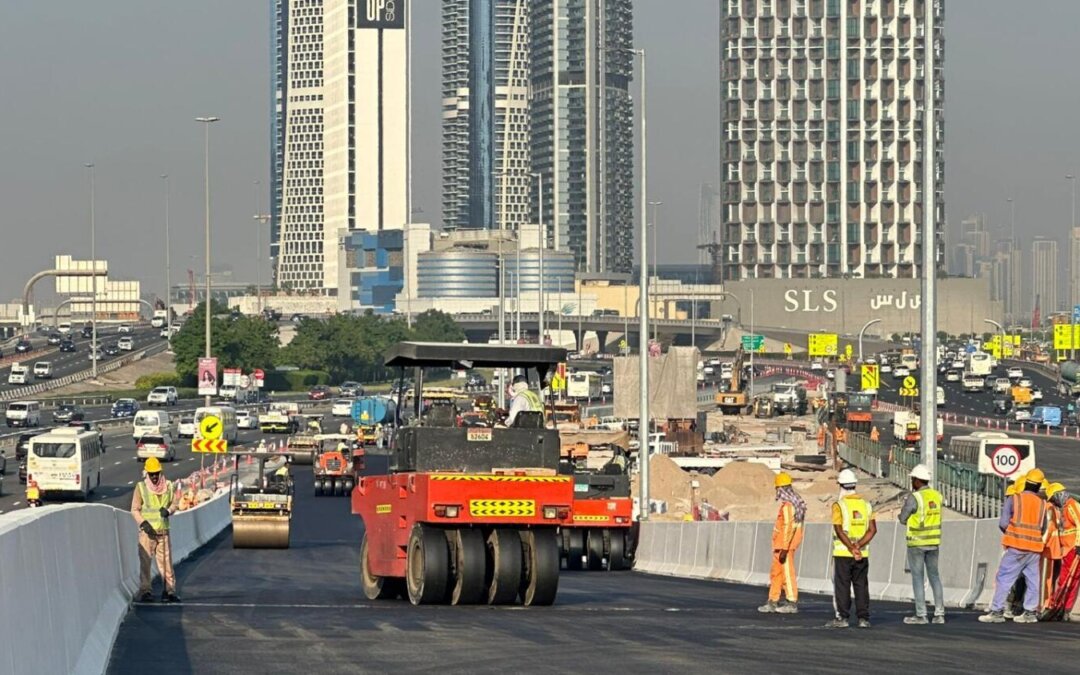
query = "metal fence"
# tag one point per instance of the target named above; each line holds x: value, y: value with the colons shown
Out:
x: 963, y: 488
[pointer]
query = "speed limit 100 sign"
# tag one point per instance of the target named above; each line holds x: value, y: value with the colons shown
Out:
x: 1005, y: 460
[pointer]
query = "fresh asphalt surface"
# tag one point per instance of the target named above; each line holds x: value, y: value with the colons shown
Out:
x: 301, y: 609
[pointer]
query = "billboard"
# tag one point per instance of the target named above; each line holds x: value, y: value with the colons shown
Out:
x: 208, y: 376
x: 821, y: 344
x: 230, y: 377
x: 381, y: 14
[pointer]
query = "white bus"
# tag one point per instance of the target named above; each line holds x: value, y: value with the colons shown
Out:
x: 993, y: 453
x: 979, y: 363
x: 584, y: 384
x: 226, y: 414
x: 65, y: 462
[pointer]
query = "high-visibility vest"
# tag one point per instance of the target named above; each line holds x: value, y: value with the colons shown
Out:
x: 535, y: 404
x: 33, y: 494
x: 1051, y: 539
x: 856, y: 513
x: 153, y: 503
x: 1025, y: 529
x: 924, y: 526
x: 1070, y: 524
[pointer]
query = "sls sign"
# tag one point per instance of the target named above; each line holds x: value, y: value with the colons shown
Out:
x: 381, y: 14
x: 810, y: 301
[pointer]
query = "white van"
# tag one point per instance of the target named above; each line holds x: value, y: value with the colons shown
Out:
x: 65, y: 462
x: 43, y: 370
x: 64, y: 327
x: 23, y: 414
x: 226, y: 414
x: 19, y: 374
x: 150, y: 423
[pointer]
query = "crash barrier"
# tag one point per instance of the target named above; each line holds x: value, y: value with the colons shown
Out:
x: 741, y: 553
x: 963, y: 488
x: 67, y: 575
x: 998, y: 424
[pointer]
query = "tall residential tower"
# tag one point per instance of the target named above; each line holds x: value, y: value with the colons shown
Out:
x: 822, y: 120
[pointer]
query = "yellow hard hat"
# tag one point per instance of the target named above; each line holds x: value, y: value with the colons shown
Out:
x: 783, y: 479
x: 1010, y: 490
x: 1053, y: 489
x: 152, y: 465
x: 1035, y: 476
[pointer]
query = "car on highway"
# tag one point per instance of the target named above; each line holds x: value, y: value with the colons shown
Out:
x: 342, y: 407
x: 1036, y: 394
x: 1014, y: 373
x: 124, y: 407
x: 816, y: 366
x: 43, y: 370
x: 351, y: 389
x: 830, y: 374
x: 23, y: 414
x: 886, y: 367
x: 1002, y: 406
x: 125, y: 344
x: 319, y: 392
x: 1021, y: 414
x: 297, y: 318
x: 87, y: 331
x: 606, y: 388
x: 475, y: 380
x: 95, y: 354
x: 54, y: 339
x: 246, y: 419
x: 23, y: 346
x: 67, y: 346
x: 162, y: 396
x: 68, y: 412
x: 112, y: 349
x: 125, y: 328
x: 1024, y: 382
x: 187, y: 428
x: 953, y: 375
x: 157, y: 445
x: 19, y: 374
x: 972, y: 383
x: 22, y: 447
x: 64, y: 328
x: 1002, y: 385
x: 900, y: 372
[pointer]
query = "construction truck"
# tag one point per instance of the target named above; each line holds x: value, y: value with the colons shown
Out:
x: 466, y: 515
x: 1021, y: 397
x: 790, y: 397
x: 334, y: 469
x: 1068, y: 384
x: 859, y: 413
x: 281, y: 418
x: 731, y: 398
x: 371, y: 414
x: 262, y: 510
x: 907, y: 428
x: 303, y: 445
x: 764, y: 406
x: 600, y: 537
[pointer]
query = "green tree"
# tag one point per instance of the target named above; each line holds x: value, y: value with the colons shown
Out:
x: 436, y: 326
x: 245, y: 342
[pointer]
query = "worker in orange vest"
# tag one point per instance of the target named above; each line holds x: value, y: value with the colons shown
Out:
x: 1050, y: 565
x: 787, y: 535
x: 1068, y: 531
x: 875, y: 435
x: 1023, y: 524
x: 821, y: 436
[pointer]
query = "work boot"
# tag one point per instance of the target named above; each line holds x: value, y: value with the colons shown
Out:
x: 1008, y: 612
x: 837, y: 623
x: 789, y: 608
x: 168, y: 597
x: 915, y: 620
x: 145, y: 596
x: 864, y: 623
x: 992, y: 617
x: 1026, y: 617
x: 939, y: 619
x: 768, y: 608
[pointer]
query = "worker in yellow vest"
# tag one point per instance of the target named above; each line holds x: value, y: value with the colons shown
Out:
x: 152, y: 505
x: 853, y: 529
x: 33, y: 494
x: 921, y: 514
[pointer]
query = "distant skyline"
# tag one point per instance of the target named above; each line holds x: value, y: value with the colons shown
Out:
x: 104, y: 82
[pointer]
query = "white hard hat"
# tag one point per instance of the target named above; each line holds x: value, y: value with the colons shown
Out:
x: 847, y: 477
x: 921, y: 472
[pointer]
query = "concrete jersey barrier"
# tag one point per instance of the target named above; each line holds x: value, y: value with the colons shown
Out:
x: 67, y: 577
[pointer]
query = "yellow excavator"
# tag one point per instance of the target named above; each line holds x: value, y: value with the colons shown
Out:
x: 731, y: 397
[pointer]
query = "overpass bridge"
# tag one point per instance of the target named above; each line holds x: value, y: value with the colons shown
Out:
x: 684, y: 332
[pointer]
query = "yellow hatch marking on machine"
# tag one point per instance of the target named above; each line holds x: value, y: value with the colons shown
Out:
x: 502, y: 507
x: 505, y: 479
x: 591, y: 519
x: 383, y: 508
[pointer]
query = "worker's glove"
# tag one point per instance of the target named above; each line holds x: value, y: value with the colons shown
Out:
x: 164, y: 512
x: 147, y: 528
x: 782, y: 557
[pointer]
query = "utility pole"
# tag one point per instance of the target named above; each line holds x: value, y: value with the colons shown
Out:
x: 928, y: 380
x: 207, y: 121
x: 94, y: 278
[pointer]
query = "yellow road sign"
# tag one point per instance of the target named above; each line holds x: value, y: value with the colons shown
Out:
x: 210, y: 427
x: 910, y: 383
x: 871, y: 377
x: 821, y: 344
x: 847, y: 350
x: 787, y: 347
x: 904, y: 391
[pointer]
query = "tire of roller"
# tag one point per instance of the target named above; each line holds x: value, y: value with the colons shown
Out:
x: 575, y: 548
x: 470, y: 560
x: 616, y: 550
x: 427, y: 565
x: 376, y: 587
x: 540, y: 571
x: 502, y: 575
x: 594, y: 543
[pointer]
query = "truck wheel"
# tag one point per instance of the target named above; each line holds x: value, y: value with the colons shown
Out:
x: 427, y: 565
x: 376, y: 588
x: 594, y: 541
x: 575, y: 548
x: 503, y: 566
x: 350, y: 484
x: 540, y: 572
x: 616, y: 550
x: 318, y: 488
x: 469, y: 566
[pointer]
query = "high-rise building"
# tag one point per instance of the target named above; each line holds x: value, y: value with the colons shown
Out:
x: 485, y: 123
x: 279, y: 33
x: 822, y: 119
x: 1074, y: 267
x: 582, y: 127
x: 344, y: 162
x: 1044, y: 275
x: 974, y: 231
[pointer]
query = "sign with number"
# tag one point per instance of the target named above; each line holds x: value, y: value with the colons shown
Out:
x: 1005, y: 460
x: 478, y: 434
x: 210, y: 427
x: 871, y: 377
x: 822, y: 344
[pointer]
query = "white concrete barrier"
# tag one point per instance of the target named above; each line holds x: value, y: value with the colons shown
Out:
x: 67, y: 575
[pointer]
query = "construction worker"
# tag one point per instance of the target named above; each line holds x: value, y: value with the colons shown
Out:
x: 1052, y: 553
x: 33, y: 494
x: 1068, y: 529
x: 854, y: 527
x: 821, y: 436
x: 787, y: 535
x: 314, y: 425
x: 875, y: 435
x: 1014, y: 603
x: 151, y: 505
x: 344, y: 429
x: 922, y: 515
x: 1023, y: 524
x: 525, y: 400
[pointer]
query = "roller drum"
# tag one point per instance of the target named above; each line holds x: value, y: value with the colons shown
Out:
x: 251, y: 531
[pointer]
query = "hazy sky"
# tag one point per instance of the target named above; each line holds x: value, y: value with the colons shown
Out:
x: 119, y: 83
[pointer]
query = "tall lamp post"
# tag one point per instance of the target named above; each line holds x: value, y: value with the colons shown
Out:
x: 862, y: 331
x: 542, y: 241
x: 655, y: 269
x: 168, y: 264
x: 94, y: 278
x: 207, y: 121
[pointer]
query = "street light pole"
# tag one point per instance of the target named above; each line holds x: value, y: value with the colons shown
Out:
x: 542, y: 240
x: 862, y: 331
x: 655, y: 268
x: 928, y: 384
x: 207, y: 121
x: 168, y: 264
x: 644, y: 429
x: 94, y: 278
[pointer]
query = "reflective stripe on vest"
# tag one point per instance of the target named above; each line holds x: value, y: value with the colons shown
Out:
x: 924, y: 526
x: 856, y: 514
x: 1025, y: 530
x: 535, y: 404
x: 152, y: 505
x: 1070, y: 524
